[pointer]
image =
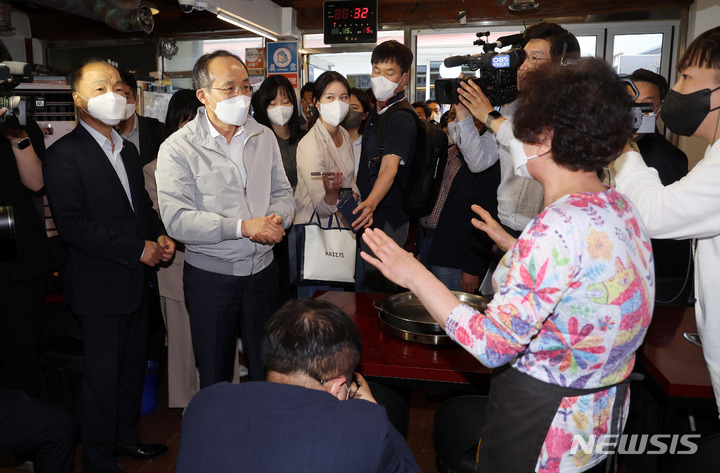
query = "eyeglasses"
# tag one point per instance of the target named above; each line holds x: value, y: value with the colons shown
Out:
x: 534, y: 59
x: 350, y: 392
x: 233, y: 91
x: 349, y: 386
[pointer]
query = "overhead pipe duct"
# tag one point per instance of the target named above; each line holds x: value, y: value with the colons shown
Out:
x: 121, y: 15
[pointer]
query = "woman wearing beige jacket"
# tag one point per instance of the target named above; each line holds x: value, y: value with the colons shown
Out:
x: 325, y: 161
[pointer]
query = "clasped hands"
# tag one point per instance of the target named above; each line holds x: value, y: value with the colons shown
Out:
x: 266, y: 230
x: 155, y: 252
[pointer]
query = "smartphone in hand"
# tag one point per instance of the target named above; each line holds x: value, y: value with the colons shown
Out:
x: 346, y: 205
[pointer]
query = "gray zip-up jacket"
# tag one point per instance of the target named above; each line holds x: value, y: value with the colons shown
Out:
x: 202, y: 196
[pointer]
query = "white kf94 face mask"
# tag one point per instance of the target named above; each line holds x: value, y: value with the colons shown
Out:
x: 519, y: 158
x: 383, y: 88
x: 280, y: 115
x: 232, y: 111
x: 109, y: 107
x: 333, y: 112
x: 129, y: 111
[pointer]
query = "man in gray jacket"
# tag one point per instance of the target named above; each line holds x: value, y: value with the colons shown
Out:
x: 223, y: 192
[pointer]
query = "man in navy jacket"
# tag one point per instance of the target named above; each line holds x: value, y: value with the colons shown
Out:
x: 311, y: 415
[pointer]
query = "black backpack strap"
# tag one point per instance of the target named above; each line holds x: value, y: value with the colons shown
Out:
x: 401, y: 105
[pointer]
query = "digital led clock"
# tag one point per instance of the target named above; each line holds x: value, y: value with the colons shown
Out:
x: 350, y: 21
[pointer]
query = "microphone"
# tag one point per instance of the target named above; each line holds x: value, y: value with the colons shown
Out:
x: 504, y: 41
x: 454, y: 61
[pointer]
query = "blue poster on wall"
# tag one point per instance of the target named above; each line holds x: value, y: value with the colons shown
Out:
x: 282, y: 57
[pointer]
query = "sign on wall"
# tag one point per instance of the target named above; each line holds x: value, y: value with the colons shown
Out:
x: 255, y: 58
x: 282, y: 58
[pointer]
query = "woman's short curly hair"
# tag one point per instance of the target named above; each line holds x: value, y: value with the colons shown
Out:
x: 585, y: 106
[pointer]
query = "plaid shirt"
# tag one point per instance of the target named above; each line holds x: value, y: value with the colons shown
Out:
x: 451, y: 169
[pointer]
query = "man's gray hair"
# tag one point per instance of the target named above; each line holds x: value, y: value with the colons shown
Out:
x: 201, y: 70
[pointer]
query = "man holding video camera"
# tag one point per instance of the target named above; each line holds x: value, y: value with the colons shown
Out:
x: 519, y: 198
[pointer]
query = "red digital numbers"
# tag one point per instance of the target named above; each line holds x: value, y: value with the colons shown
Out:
x: 355, y: 13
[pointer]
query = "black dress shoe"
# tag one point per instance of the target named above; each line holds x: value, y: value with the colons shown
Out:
x: 143, y: 451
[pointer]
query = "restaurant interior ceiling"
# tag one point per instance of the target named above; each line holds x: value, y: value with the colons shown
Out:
x: 52, y: 24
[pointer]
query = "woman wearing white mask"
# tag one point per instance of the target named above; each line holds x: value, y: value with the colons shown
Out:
x: 326, y: 148
x: 275, y: 106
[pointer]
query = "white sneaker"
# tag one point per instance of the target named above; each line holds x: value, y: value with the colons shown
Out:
x: 242, y: 371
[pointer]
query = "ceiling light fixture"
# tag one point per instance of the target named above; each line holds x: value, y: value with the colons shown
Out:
x: 240, y: 23
x: 523, y: 5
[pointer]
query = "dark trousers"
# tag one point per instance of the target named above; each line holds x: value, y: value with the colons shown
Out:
x: 45, y: 431
x: 281, y: 255
x: 20, y: 320
x: 115, y: 350
x: 219, y: 305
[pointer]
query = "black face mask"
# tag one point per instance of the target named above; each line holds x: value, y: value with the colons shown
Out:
x: 684, y: 113
x: 352, y: 119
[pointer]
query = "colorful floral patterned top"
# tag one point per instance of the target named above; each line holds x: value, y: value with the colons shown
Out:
x: 573, y: 301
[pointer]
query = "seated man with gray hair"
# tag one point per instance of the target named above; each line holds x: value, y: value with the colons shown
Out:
x: 313, y: 413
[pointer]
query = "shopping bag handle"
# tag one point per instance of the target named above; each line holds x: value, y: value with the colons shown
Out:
x: 319, y: 222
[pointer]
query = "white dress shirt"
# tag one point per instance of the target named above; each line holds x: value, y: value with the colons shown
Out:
x: 112, y: 150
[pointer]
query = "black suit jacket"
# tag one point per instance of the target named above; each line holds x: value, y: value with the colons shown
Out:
x: 670, y: 162
x: 457, y: 243
x: 105, y: 236
x: 151, y: 133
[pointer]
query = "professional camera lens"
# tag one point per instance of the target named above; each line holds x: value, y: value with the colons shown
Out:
x: 7, y: 221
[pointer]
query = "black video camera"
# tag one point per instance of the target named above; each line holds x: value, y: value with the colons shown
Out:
x: 11, y: 75
x: 8, y: 251
x: 643, y: 116
x: 7, y: 222
x: 498, y: 71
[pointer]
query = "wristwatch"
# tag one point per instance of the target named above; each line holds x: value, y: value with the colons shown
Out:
x: 21, y: 144
x: 492, y: 116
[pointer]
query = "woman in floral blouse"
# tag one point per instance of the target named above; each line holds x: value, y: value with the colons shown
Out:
x: 573, y: 294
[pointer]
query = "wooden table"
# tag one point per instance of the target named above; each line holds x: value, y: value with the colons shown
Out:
x: 676, y: 364
x: 387, y: 356
x: 679, y: 375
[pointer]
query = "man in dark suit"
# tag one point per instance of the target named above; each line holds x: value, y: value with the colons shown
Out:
x: 97, y: 197
x: 145, y: 133
x: 312, y: 414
